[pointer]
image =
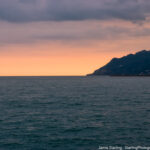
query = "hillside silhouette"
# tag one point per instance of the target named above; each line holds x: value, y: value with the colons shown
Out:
x: 137, y: 64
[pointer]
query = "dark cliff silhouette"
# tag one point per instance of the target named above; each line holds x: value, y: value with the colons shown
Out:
x: 131, y: 65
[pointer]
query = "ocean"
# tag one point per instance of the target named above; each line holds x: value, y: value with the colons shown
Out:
x: 74, y: 113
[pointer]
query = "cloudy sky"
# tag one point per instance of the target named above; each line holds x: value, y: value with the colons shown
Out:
x: 69, y: 37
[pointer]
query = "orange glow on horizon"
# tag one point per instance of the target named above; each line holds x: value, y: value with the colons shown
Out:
x: 40, y: 61
x: 50, y: 59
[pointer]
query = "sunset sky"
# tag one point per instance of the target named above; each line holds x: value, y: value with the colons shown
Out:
x: 69, y: 37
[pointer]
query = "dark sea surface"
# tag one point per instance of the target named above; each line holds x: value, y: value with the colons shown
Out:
x: 74, y: 113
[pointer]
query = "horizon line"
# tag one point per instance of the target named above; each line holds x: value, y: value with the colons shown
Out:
x: 40, y: 75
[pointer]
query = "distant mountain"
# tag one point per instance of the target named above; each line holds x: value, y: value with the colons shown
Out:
x: 131, y: 65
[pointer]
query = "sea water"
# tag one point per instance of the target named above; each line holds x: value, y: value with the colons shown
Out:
x: 74, y: 113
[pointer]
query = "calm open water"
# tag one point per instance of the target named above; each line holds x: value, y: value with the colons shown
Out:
x: 74, y: 113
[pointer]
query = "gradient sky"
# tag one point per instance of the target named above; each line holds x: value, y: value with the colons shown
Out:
x: 69, y: 37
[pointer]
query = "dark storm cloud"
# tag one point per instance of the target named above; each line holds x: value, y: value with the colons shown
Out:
x: 66, y: 10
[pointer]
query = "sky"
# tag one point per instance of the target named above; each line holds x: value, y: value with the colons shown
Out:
x: 69, y: 37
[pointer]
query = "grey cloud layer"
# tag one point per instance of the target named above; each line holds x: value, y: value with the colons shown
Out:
x: 69, y: 32
x: 66, y: 10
